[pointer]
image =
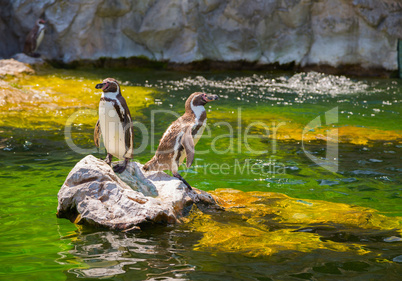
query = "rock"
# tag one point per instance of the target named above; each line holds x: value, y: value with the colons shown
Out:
x: 397, y: 259
x: 385, y: 14
x: 10, y: 94
x: 21, y: 57
x: 393, y: 239
x: 94, y: 195
x: 12, y: 97
x: 14, y: 67
x: 333, y: 33
x: 15, y: 98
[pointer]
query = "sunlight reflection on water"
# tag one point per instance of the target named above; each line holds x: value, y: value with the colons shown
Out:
x: 300, y: 83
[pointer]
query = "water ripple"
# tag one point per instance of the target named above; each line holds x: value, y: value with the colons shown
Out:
x: 257, y: 85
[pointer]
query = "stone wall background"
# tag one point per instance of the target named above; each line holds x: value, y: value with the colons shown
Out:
x: 304, y: 32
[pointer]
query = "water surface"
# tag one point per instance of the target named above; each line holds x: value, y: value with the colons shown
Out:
x: 35, y: 159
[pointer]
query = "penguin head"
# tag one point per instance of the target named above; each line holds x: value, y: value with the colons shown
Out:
x: 199, y: 99
x: 40, y: 22
x: 109, y: 85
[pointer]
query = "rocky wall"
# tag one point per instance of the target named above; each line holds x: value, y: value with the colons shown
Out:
x: 301, y: 32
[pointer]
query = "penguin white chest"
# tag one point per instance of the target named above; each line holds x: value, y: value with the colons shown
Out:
x: 200, y: 131
x: 196, y: 138
x: 112, y: 129
x: 39, y: 39
x: 198, y: 111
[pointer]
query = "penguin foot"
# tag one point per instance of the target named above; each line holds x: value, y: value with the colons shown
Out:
x: 177, y: 175
x: 119, y: 168
x: 108, y: 159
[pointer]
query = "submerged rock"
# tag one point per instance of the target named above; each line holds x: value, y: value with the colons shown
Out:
x: 94, y: 195
x: 266, y: 224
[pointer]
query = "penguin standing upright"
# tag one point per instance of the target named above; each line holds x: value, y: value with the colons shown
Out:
x: 34, y: 38
x: 114, y: 124
x: 178, y: 142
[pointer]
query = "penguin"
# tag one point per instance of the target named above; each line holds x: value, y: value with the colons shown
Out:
x: 179, y: 140
x: 114, y: 124
x: 34, y: 38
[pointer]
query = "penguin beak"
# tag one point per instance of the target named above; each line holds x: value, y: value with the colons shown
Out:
x: 100, y: 86
x: 209, y: 98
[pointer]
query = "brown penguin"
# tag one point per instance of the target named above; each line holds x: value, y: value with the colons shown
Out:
x: 180, y: 138
x: 34, y: 38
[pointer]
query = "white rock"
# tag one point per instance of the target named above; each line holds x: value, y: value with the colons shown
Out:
x: 93, y: 194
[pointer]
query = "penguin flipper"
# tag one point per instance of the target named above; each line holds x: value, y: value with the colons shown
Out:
x: 188, y: 144
x: 128, y: 134
x: 97, y: 134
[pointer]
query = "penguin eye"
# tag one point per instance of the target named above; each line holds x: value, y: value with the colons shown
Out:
x: 204, y: 97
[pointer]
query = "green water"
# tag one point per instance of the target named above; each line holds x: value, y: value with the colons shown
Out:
x: 35, y: 159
